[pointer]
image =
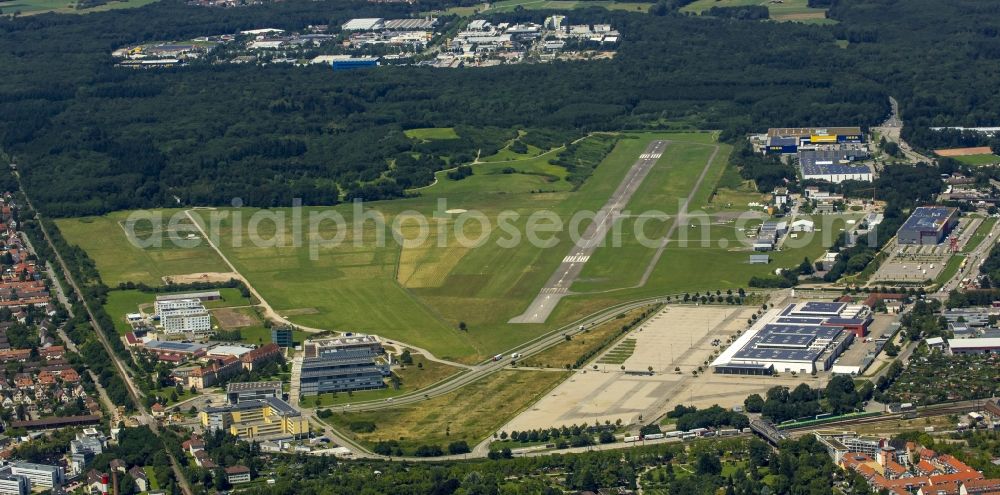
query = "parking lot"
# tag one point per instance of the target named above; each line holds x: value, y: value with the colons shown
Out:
x: 677, y: 337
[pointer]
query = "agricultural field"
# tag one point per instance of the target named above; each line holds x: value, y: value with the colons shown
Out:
x: 30, y: 7
x: 470, y: 414
x: 787, y: 10
x: 982, y: 159
x: 119, y: 260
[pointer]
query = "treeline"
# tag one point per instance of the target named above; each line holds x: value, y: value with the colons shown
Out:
x: 801, y: 467
x: 690, y: 417
x: 741, y: 12
x: 767, y: 172
x: 804, y: 402
x: 580, y: 159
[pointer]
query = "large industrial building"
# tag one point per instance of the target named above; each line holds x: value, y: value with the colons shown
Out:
x: 927, y: 225
x: 802, y: 338
x: 342, y: 364
x: 787, y: 140
x: 834, y: 165
x: 985, y: 345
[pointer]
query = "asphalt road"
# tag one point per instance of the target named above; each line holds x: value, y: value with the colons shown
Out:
x: 974, y: 257
x: 559, y: 283
x: 535, y: 346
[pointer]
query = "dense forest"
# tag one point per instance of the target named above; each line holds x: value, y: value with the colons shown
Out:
x: 91, y: 138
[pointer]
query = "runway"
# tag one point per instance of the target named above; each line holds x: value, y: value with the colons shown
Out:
x: 559, y: 283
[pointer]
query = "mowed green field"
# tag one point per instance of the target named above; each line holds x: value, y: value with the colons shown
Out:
x: 419, y: 292
x: 119, y: 260
x: 430, y: 133
x: 977, y: 237
x: 787, y: 10
x: 984, y: 159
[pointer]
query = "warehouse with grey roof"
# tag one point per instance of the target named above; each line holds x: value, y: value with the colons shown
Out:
x: 928, y: 225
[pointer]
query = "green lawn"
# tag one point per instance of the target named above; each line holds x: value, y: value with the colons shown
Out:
x: 950, y: 269
x: 151, y: 474
x: 984, y: 159
x: 259, y: 335
x: 980, y: 234
x: 432, y: 133
x: 788, y: 10
x: 119, y: 260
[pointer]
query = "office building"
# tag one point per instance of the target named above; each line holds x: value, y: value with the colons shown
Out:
x: 39, y: 474
x: 211, y: 295
x: 249, y: 419
x: 12, y: 484
x: 183, y: 316
x: 282, y: 336
x: 244, y: 391
x: 341, y: 364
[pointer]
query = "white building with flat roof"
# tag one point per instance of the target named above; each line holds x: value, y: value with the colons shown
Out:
x: 13, y: 484
x: 39, y: 474
x: 363, y: 24
x: 171, y: 304
x: 187, y: 320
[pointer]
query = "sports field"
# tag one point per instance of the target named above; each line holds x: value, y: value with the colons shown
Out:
x: 981, y: 159
x: 788, y: 10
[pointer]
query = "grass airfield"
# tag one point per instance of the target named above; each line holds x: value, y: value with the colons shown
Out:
x: 419, y: 293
